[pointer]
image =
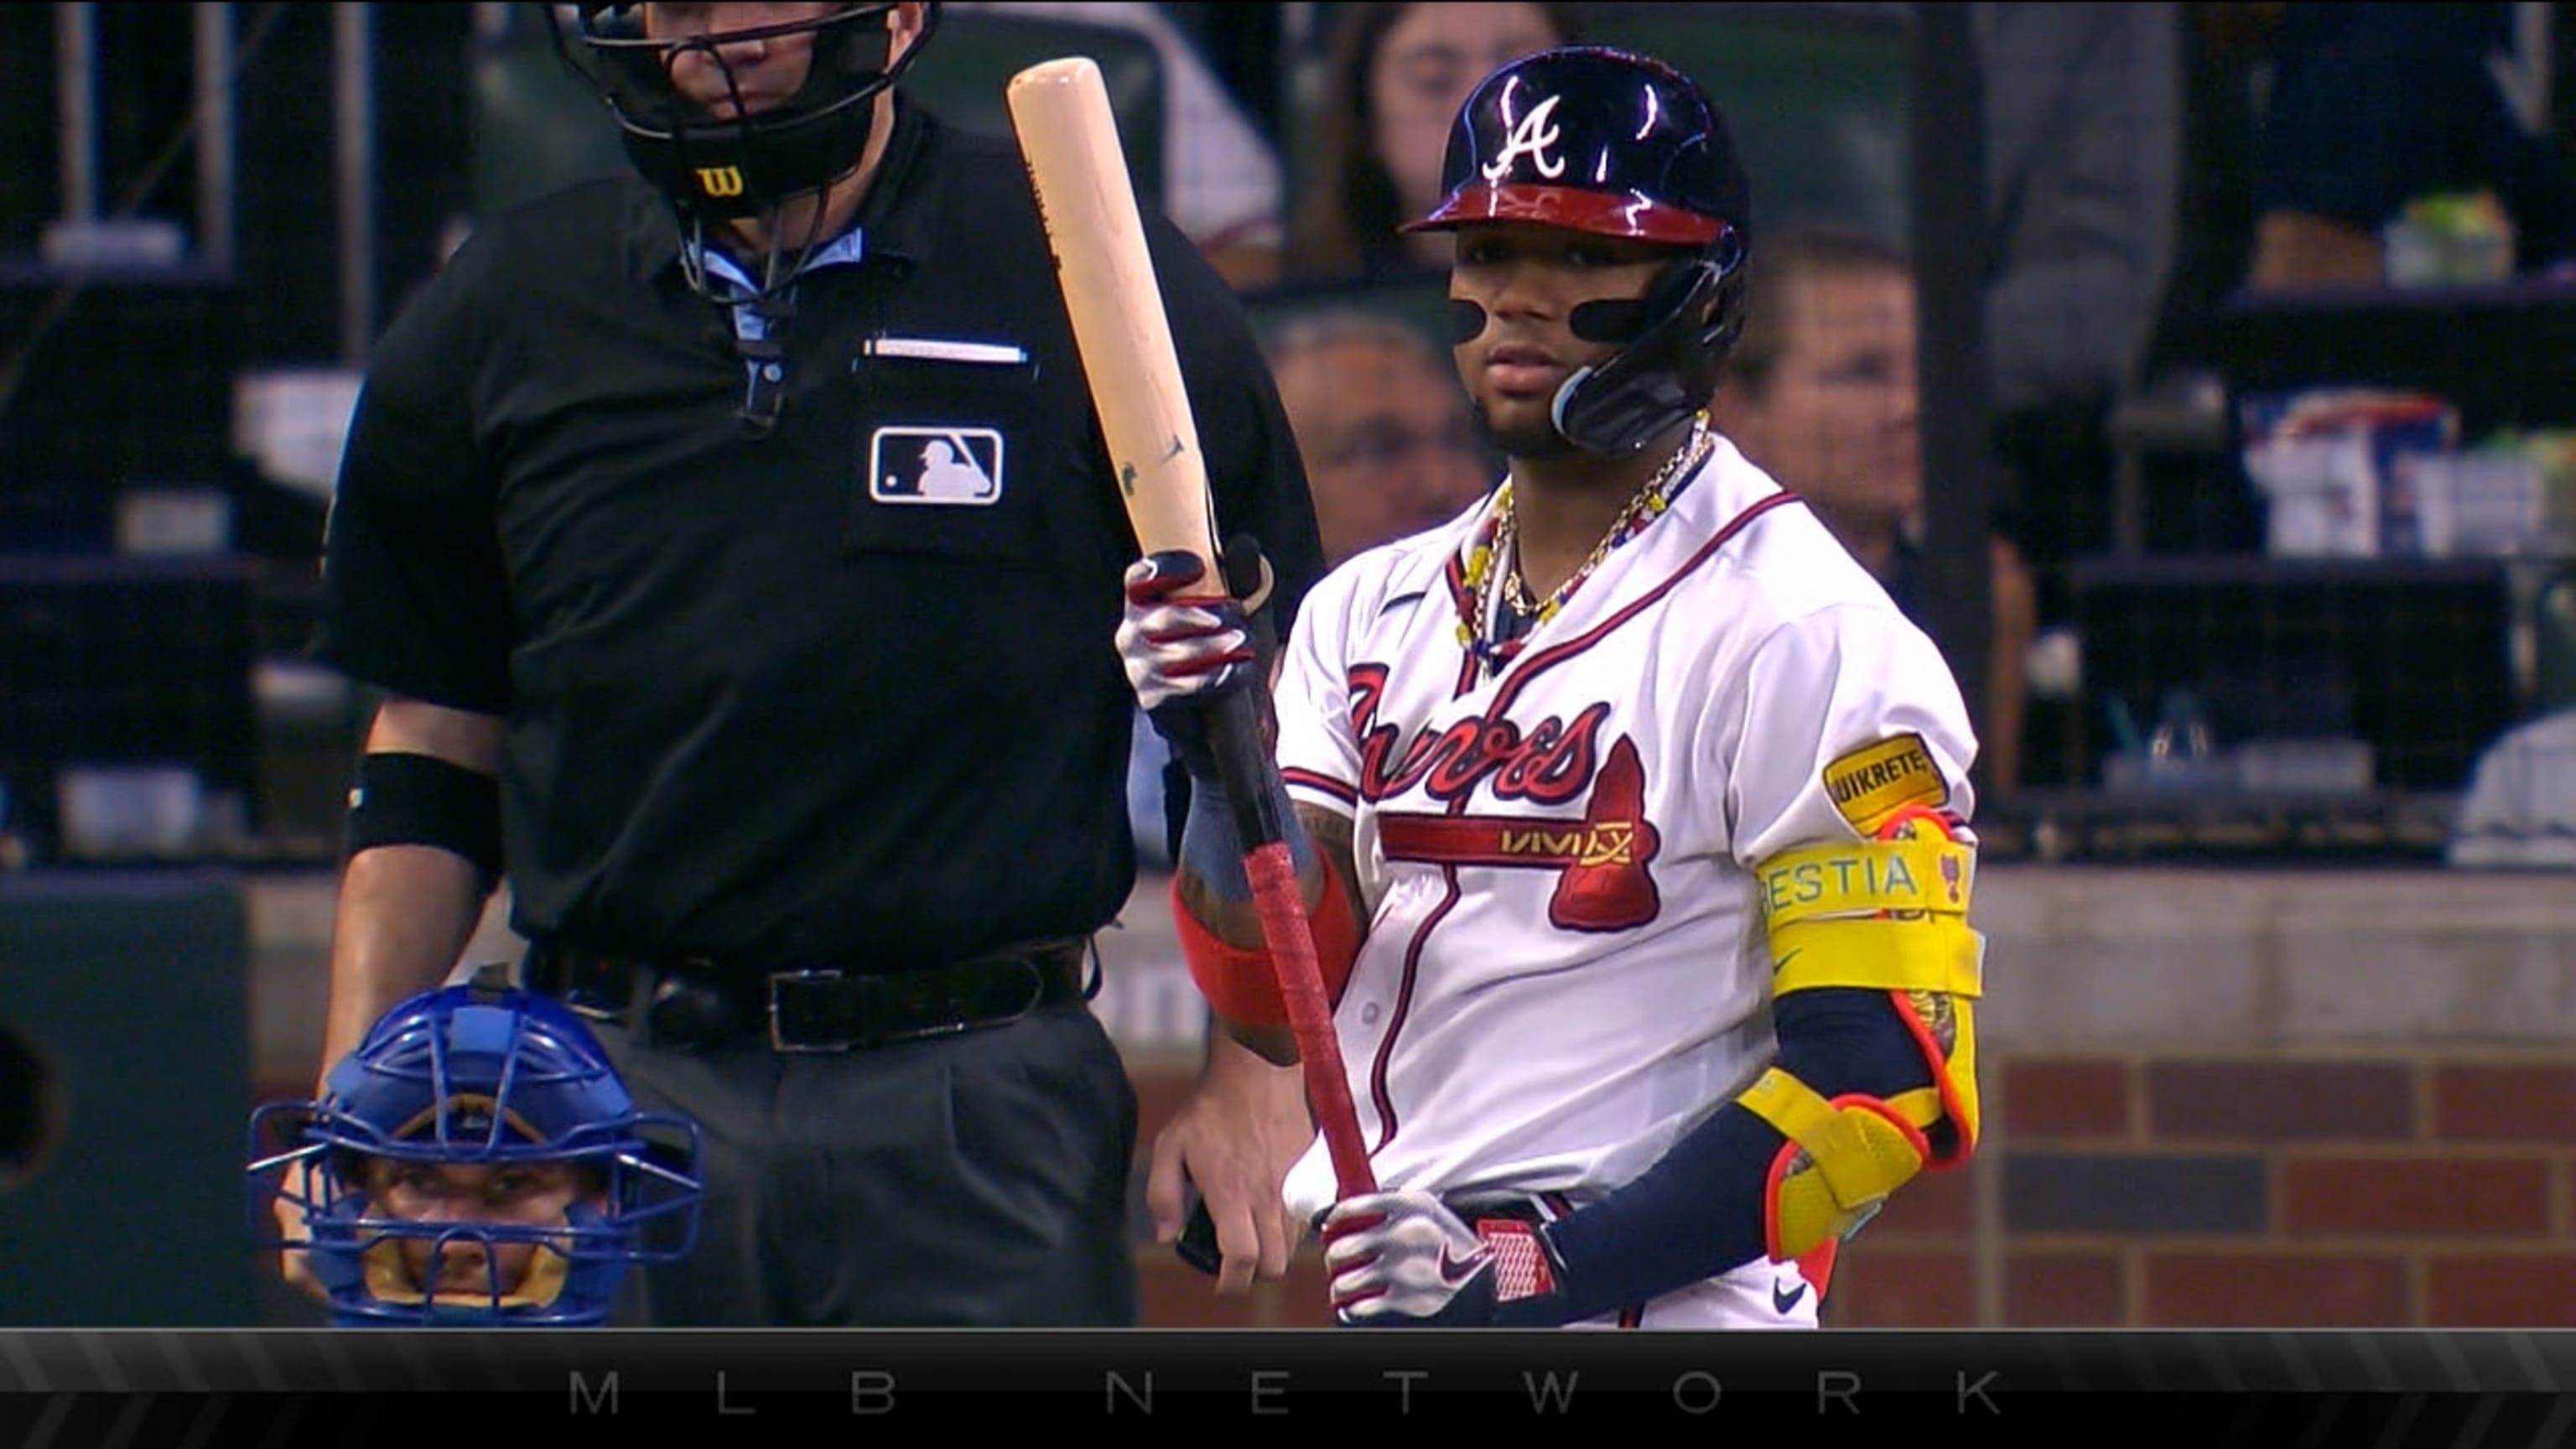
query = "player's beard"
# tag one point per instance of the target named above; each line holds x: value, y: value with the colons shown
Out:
x: 1530, y: 442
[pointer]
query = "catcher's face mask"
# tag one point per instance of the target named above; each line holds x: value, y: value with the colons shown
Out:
x: 476, y: 1161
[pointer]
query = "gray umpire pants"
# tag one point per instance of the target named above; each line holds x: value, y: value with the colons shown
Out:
x: 973, y: 1181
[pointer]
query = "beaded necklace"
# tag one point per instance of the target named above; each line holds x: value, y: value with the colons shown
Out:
x: 1489, y: 589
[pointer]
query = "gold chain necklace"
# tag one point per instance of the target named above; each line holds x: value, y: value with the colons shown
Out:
x: 1649, y: 503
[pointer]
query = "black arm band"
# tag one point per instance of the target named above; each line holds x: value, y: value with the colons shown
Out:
x: 405, y: 799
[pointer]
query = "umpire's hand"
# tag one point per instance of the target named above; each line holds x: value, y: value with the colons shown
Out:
x: 1234, y: 1141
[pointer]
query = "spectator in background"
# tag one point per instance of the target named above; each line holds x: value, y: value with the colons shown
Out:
x: 1222, y: 181
x: 2083, y: 130
x: 1821, y: 392
x: 1390, y: 449
x: 1389, y: 446
x: 2373, y: 106
x: 1398, y: 73
x: 2083, y: 120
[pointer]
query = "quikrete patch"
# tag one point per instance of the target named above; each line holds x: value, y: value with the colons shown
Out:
x: 1874, y: 782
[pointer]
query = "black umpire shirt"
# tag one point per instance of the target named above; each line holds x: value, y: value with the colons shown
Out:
x: 844, y: 694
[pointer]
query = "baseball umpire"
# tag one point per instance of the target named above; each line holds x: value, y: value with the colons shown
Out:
x: 1634, y: 814
x: 737, y: 552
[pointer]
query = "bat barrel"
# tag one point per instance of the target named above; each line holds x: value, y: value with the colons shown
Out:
x: 1068, y: 136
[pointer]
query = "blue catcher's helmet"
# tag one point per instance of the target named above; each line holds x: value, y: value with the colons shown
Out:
x: 1597, y: 139
x: 486, y: 1092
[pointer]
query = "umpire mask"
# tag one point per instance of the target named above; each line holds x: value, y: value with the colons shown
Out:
x: 746, y: 152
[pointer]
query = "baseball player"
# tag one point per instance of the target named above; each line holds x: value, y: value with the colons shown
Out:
x: 1632, y: 813
x: 476, y: 1162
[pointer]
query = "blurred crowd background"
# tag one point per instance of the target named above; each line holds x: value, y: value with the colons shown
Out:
x: 2198, y: 374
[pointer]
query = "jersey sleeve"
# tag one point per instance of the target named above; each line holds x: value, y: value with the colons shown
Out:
x: 1850, y: 716
x: 1319, y: 758
x: 1255, y: 474
x: 415, y: 598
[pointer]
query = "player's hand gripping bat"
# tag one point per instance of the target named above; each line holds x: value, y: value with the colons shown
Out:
x: 1069, y: 139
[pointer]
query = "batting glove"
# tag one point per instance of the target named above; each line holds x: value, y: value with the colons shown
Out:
x: 1404, y: 1260
x: 1187, y: 645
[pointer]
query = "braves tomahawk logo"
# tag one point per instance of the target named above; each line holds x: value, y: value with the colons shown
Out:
x: 1600, y: 856
x: 1532, y: 136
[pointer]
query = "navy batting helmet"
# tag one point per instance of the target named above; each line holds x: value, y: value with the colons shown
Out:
x: 459, y: 1099
x: 1597, y: 139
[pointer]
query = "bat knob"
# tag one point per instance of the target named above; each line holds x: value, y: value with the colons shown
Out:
x: 1063, y: 70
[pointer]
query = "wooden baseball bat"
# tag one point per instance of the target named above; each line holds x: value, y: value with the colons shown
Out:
x: 1069, y: 138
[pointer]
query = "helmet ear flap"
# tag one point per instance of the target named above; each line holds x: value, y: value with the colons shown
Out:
x: 1709, y: 282
x: 1726, y: 313
x: 1669, y: 368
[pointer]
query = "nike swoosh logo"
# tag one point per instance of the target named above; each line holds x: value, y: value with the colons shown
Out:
x: 1786, y: 1301
x: 1454, y: 1271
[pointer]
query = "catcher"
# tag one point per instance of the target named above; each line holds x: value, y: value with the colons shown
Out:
x: 475, y: 1162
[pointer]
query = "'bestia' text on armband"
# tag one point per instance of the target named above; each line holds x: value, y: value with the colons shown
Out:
x: 1899, y: 876
x: 1890, y: 914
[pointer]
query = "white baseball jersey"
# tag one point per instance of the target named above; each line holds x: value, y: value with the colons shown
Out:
x: 1565, y: 967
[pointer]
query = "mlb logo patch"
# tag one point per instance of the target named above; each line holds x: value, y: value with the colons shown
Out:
x: 935, y: 464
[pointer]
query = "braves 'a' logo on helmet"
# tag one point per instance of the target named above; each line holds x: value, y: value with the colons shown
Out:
x: 1596, y: 139
x: 1533, y: 137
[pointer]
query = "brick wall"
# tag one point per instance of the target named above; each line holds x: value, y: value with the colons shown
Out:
x: 2426, y: 1187
x: 2405, y: 1188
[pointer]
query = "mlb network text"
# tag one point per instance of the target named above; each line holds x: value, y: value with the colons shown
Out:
x: 1272, y: 1392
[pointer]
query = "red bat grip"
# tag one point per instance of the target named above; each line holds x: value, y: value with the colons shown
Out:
x: 1301, y: 985
x: 1250, y: 779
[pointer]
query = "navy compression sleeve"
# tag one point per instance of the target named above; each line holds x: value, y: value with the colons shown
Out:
x: 1699, y: 1211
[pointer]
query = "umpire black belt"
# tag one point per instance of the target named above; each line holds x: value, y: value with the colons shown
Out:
x: 699, y: 1004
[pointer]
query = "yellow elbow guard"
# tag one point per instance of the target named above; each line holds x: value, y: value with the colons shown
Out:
x: 1888, y: 914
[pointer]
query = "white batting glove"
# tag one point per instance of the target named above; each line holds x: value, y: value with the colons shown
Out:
x: 1189, y: 642
x: 1404, y: 1260
x: 1183, y: 639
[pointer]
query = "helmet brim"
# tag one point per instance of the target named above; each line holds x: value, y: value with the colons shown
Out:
x: 1597, y: 212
